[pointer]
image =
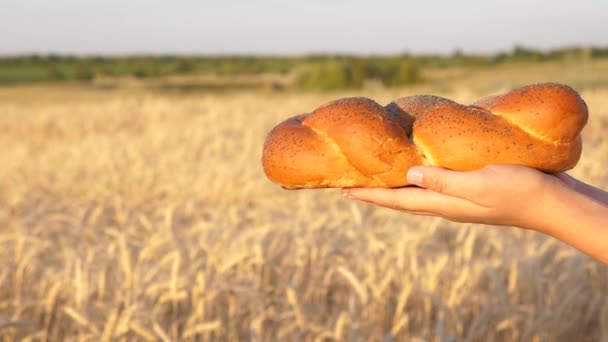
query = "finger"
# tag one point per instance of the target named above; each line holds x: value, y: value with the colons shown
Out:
x: 453, y: 183
x: 413, y: 199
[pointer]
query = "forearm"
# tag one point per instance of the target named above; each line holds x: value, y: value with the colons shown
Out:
x: 577, y: 220
x: 593, y: 192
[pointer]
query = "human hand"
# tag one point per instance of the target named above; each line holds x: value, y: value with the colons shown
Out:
x: 497, y: 194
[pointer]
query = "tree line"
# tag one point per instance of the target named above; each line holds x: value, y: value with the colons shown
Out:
x: 312, y: 72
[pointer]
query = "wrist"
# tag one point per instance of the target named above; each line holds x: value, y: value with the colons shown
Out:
x: 563, y: 209
x: 575, y: 219
x: 547, y: 206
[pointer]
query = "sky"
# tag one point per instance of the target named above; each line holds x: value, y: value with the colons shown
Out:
x: 274, y: 27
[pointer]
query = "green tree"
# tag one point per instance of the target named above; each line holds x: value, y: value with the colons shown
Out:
x: 331, y: 75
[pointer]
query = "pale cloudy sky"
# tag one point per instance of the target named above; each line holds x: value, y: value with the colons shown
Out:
x: 290, y: 27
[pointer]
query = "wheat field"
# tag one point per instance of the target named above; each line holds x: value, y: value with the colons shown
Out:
x: 130, y: 214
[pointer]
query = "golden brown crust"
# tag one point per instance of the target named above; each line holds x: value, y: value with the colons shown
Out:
x: 468, y: 138
x: 552, y: 111
x: 407, y: 109
x: 357, y: 142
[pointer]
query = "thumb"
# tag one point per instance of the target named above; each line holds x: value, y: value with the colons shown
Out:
x: 453, y: 183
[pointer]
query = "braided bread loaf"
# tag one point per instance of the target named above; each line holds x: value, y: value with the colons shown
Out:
x: 357, y: 142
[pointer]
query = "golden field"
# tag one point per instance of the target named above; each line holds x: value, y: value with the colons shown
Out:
x: 136, y: 214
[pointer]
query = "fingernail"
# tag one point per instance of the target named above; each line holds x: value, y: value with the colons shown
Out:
x: 414, y: 176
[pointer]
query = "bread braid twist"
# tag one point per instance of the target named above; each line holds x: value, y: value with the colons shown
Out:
x: 357, y: 142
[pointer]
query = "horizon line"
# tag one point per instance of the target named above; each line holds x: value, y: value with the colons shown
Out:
x: 297, y: 54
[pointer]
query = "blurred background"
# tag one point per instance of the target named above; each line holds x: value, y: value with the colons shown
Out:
x: 133, y: 204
